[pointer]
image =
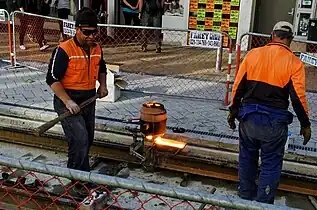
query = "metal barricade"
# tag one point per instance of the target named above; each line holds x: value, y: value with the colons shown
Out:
x: 180, y: 70
x: 32, y: 34
x: 300, y: 48
x: 35, y: 185
x: 6, y: 36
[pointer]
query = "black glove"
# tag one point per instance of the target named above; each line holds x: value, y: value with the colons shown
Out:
x: 306, y: 132
x: 231, y: 118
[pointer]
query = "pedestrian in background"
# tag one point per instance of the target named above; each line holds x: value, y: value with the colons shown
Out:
x: 74, y: 68
x: 99, y: 6
x: 267, y: 77
x: 13, y: 5
x: 130, y: 12
x: 40, y: 7
x: 150, y: 14
x: 63, y: 11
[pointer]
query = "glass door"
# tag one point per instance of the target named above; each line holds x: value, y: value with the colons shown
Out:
x: 306, y: 9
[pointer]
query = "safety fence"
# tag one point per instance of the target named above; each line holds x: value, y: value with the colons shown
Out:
x: 180, y: 69
x: 26, y: 184
x: 185, y: 76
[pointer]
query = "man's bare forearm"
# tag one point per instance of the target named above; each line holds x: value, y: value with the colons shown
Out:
x: 60, y: 92
x: 103, y: 79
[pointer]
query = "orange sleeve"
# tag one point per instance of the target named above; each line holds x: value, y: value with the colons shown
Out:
x: 298, y: 94
x: 239, y: 85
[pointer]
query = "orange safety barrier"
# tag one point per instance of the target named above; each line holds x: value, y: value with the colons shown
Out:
x: 26, y: 189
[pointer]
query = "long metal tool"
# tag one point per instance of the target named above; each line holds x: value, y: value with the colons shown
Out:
x: 38, y: 131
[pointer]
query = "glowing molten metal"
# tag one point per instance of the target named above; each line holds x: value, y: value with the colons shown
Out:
x: 169, y: 143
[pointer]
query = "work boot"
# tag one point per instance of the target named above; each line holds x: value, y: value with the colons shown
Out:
x: 158, y: 47
x: 143, y: 47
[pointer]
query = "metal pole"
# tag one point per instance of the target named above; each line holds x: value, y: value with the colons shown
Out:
x: 177, y: 193
x: 13, y: 37
x: 228, y: 74
x: 219, y: 55
x: 79, y: 4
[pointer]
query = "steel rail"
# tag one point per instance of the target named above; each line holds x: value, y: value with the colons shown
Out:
x: 199, y: 166
x: 37, y: 118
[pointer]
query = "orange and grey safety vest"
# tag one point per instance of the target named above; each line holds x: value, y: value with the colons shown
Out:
x: 74, y: 68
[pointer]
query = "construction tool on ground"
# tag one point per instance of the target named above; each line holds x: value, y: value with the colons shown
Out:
x: 38, y: 131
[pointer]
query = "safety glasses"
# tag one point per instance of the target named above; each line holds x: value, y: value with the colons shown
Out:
x: 88, y: 32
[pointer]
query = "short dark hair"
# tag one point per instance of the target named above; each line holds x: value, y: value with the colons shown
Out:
x: 284, y: 34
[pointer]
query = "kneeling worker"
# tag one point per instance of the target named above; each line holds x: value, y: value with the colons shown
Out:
x: 74, y: 68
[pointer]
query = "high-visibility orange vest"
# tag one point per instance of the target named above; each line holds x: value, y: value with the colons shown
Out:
x: 82, y: 72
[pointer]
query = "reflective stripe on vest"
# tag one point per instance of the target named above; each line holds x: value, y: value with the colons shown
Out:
x: 82, y: 72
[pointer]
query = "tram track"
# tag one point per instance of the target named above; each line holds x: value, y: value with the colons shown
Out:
x: 159, y: 176
x: 198, y: 157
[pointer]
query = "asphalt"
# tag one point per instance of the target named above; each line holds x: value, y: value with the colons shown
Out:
x: 201, y: 118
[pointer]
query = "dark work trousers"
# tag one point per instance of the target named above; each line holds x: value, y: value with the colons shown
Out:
x: 63, y: 14
x: 79, y: 131
x: 131, y: 33
x: 129, y: 16
x: 152, y: 20
x: 37, y: 30
x: 258, y: 131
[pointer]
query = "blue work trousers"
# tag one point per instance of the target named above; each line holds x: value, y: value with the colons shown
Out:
x: 260, y: 132
x: 79, y: 132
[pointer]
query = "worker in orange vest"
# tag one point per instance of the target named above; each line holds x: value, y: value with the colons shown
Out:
x: 267, y: 77
x: 74, y: 68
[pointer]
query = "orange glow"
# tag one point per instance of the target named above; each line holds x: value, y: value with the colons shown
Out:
x: 149, y: 137
x: 150, y: 103
x: 169, y: 143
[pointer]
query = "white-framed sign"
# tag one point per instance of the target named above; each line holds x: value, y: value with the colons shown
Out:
x: 2, y: 16
x: 205, y: 39
x: 311, y: 60
x: 69, y: 28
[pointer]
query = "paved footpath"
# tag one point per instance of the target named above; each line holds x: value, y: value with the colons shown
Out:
x: 203, y: 118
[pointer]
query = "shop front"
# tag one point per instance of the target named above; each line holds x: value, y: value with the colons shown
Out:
x: 202, y: 15
x: 298, y: 12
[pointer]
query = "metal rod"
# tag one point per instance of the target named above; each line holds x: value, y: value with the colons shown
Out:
x: 79, y: 4
x: 313, y: 201
x: 121, y: 26
x: 228, y: 90
x: 178, y: 193
x: 13, y: 37
x: 296, y: 39
x: 219, y: 56
x: 202, y: 206
x: 9, y: 35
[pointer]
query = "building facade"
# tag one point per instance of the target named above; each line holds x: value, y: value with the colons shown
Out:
x: 253, y: 15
